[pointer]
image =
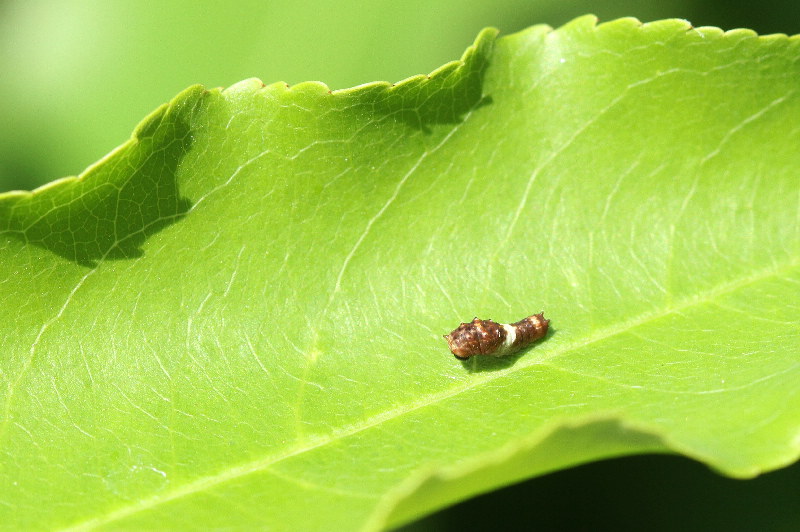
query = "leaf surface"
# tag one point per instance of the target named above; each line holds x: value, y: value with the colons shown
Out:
x: 234, y: 320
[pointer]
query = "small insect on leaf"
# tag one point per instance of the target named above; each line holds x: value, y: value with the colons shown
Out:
x: 486, y: 337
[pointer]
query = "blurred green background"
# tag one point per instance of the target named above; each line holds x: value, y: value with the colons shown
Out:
x: 77, y: 76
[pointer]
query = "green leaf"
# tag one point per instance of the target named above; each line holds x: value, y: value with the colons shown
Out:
x: 234, y: 320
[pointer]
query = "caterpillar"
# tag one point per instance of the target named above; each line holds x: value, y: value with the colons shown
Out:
x: 488, y: 338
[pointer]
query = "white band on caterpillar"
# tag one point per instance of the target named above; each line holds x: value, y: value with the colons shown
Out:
x: 511, y: 335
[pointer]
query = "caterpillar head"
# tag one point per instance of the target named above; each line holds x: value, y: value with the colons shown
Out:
x: 478, y: 337
x: 459, y: 349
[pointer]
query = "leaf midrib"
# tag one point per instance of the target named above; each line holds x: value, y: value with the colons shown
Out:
x: 261, y: 465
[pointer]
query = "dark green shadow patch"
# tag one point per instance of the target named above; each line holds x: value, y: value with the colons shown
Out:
x: 111, y: 210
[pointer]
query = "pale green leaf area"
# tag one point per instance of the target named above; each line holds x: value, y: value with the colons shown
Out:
x: 234, y: 320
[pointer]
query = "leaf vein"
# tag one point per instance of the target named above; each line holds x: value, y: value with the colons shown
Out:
x: 261, y: 465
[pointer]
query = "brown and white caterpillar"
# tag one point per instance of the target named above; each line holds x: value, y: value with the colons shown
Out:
x: 485, y: 337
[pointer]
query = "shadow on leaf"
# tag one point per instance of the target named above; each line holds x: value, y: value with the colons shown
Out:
x: 112, y: 210
x: 447, y: 96
x: 479, y: 364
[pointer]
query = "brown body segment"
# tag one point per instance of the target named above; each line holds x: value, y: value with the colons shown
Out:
x: 486, y: 337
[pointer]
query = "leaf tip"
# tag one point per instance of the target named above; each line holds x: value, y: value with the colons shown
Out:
x: 247, y: 86
x: 311, y: 88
